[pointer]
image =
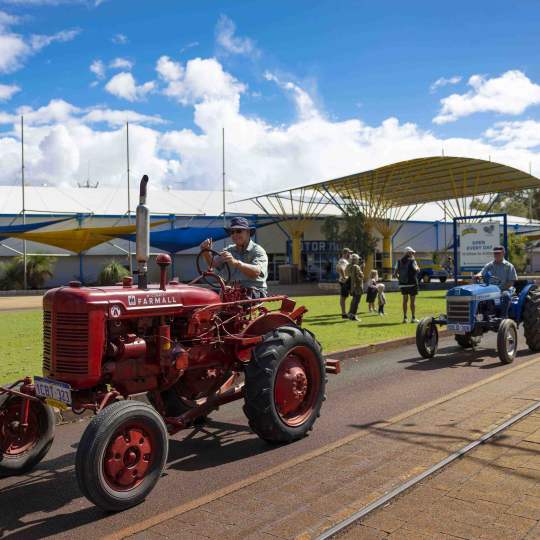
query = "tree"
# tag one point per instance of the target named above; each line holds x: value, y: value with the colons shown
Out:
x: 112, y: 273
x: 330, y: 229
x: 39, y: 268
x: 517, y: 252
x: 354, y: 234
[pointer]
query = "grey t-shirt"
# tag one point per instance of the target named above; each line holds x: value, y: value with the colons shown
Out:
x: 253, y: 254
x: 503, y: 271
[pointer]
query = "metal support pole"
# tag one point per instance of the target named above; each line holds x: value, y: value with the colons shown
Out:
x: 455, y: 252
x: 25, y: 270
x: 223, y: 174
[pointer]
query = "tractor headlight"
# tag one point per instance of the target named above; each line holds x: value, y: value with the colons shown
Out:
x: 479, y: 317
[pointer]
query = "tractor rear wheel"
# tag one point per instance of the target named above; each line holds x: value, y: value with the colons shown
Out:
x: 285, y: 383
x: 467, y: 341
x: 121, y: 455
x: 427, y: 338
x: 507, y: 341
x: 531, y: 320
x: 22, y: 449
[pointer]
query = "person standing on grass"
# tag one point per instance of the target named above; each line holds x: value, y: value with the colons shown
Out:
x: 343, y: 280
x: 371, y: 291
x: 357, y: 284
x: 407, y: 273
x: 381, y: 298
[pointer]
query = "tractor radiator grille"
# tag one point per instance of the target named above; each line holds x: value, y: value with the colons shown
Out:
x: 71, y: 343
x: 47, y: 340
x: 458, y: 312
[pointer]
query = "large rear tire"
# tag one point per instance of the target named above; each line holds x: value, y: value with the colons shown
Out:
x: 427, y: 338
x: 121, y: 455
x: 507, y: 341
x: 21, y: 450
x: 531, y: 320
x: 285, y: 383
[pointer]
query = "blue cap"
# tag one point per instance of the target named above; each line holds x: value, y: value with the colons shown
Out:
x: 239, y: 223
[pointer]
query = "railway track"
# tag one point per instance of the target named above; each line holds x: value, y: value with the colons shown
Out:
x: 399, y: 490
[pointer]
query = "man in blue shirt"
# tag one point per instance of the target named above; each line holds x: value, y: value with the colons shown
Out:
x: 248, y: 261
x: 504, y: 275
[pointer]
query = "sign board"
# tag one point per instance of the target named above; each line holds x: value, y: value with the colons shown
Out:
x: 476, y: 243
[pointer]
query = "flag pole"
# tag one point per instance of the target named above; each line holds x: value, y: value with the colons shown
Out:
x: 25, y: 275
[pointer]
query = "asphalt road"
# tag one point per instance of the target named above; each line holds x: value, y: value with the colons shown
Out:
x: 375, y: 387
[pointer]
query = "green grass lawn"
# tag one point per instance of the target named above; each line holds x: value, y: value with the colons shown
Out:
x: 21, y: 332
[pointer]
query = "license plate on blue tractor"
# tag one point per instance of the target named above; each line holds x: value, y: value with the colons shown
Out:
x: 56, y: 393
x: 458, y: 328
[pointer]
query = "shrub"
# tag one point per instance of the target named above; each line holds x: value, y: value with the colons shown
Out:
x: 39, y: 268
x: 112, y: 273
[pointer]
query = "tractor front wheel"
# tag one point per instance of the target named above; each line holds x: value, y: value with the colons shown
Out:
x: 531, y: 320
x: 507, y: 341
x: 121, y: 455
x: 427, y: 337
x: 22, y: 448
x: 285, y: 383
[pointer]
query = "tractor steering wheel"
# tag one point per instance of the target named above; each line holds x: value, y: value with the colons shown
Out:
x: 213, y: 276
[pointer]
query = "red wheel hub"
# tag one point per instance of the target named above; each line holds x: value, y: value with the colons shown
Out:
x: 297, y: 385
x: 128, y: 458
x: 14, y: 438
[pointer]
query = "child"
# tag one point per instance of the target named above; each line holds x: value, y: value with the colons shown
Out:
x: 381, y: 298
x: 371, y: 293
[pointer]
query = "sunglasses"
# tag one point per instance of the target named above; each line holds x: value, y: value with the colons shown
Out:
x: 237, y: 231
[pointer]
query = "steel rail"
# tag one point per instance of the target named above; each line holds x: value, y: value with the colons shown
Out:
x: 428, y: 472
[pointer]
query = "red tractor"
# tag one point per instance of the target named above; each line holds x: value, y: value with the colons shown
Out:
x: 190, y: 348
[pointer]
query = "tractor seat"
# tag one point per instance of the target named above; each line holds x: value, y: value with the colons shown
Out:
x: 519, y: 284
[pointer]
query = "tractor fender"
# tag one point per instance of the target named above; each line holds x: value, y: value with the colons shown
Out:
x: 266, y: 323
x: 518, y: 308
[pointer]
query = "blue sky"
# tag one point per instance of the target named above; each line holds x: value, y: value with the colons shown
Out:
x: 305, y: 89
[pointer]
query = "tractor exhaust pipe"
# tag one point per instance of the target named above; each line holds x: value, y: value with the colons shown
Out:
x: 142, y: 223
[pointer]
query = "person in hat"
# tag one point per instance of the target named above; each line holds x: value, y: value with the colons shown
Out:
x: 343, y: 280
x: 407, y: 273
x: 248, y: 261
x: 503, y: 273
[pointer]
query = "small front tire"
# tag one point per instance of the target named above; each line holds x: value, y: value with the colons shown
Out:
x: 22, y: 450
x: 427, y: 337
x: 507, y: 341
x: 121, y: 455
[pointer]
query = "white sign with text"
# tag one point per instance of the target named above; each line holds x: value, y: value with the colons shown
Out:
x: 476, y: 243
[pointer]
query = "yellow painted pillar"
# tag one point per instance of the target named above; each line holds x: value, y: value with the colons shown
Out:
x: 297, y: 248
x: 369, y: 256
x: 387, y: 255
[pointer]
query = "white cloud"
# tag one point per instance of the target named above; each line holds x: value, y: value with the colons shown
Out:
x: 116, y: 118
x: 511, y: 93
x: 120, y: 39
x: 123, y: 85
x: 97, y: 67
x: 61, y: 139
x: 38, y: 41
x: 121, y: 63
x: 519, y: 134
x: 201, y: 79
x: 189, y: 46
x: 231, y: 44
x: 7, y: 91
x: 15, y: 48
x: 442, y: 81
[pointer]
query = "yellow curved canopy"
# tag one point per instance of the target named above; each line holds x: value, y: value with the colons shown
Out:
x: 81, y: 239
x: 429, y: 179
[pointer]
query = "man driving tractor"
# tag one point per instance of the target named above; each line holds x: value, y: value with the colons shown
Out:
x: 248, y: 260
x: 504, y: 275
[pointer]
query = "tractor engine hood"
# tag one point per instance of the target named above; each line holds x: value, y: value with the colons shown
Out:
x: 477, y: 292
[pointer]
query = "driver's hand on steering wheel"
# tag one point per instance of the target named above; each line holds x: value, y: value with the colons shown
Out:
x: 206, y: 244
x: 227, y: 257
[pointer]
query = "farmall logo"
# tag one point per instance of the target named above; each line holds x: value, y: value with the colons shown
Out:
x: 150, y: 300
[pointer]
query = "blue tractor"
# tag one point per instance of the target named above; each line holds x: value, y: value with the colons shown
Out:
x: 472, y: 310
